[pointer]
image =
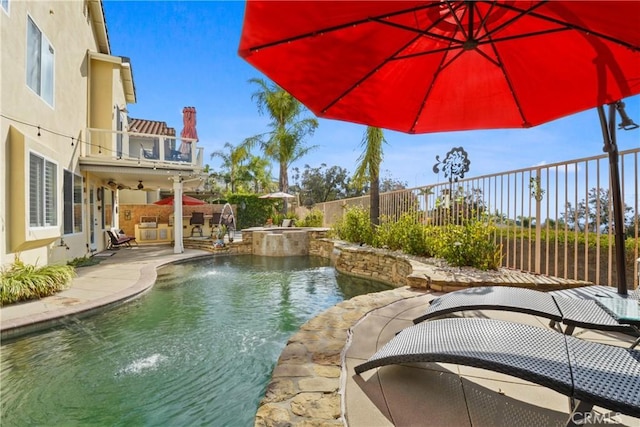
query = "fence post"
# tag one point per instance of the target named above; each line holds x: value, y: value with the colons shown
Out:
x: 538, y: 193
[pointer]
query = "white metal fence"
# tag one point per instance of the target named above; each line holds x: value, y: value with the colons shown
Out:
x: 553, y: 219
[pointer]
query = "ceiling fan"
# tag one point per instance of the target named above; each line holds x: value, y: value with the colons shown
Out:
x: 141, y: 187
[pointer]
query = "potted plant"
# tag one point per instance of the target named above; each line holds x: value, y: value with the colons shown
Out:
x: 220, y: 232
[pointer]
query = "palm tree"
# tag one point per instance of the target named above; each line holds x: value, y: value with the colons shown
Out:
x: 369, y: 168
x: 232, y: 159
x: 284, y: 143
x: 259, y: 172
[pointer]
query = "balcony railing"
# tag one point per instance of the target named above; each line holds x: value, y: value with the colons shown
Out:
x: 140, y: 147
x: 553, y: 219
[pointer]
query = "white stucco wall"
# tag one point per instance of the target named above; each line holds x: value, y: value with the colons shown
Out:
x: 68, y: 28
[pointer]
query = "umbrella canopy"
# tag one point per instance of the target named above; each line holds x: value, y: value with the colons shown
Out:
x: 189, y: 123
x: 430, y: 66
x: 277, y: 195
x: 188, y: 129
x: 186, y: 200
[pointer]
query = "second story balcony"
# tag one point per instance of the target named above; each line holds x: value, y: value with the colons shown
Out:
x: 131, y: 148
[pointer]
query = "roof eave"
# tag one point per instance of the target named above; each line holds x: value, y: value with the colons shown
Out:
x: 100, y: 25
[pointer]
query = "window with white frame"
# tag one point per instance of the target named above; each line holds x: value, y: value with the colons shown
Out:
x: 42, y: 192
x: 72, y: 203
x: 5, y: 5
x: 40, y: 61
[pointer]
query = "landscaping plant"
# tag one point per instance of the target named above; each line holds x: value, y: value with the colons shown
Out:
x: 406, y: 234
x: 314, y: 218
x: 21, y: 282
x: 470, y: 244
x: 354, y: 226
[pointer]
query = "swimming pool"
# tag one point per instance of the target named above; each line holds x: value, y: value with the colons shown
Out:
x: 198, y: 349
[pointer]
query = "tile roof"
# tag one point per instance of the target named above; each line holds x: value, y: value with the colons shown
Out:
x: 150, y: 127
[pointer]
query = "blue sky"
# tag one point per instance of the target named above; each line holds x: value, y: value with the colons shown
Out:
x: 185, y: 54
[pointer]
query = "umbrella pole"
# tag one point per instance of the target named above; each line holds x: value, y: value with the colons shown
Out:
x: 610, y: 147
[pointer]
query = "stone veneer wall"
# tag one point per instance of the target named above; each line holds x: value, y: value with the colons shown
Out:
x: 280, y: 242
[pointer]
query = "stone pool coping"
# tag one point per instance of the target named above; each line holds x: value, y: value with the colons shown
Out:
x: 308, y: 381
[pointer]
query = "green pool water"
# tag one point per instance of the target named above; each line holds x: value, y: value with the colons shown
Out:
x: 198, y: 349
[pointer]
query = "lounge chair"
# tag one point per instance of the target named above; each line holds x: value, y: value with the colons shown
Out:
x: 590, y: 373
x: 115, y: 241
x: 584, y: 311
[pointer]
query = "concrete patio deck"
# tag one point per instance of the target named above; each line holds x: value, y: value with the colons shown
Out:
x: 319, y: 359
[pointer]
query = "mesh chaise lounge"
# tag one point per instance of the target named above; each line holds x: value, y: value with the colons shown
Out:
x: 589, y: 373
x: 571, y: 311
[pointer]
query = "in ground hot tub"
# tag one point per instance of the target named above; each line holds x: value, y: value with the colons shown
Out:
x: 280, y: 242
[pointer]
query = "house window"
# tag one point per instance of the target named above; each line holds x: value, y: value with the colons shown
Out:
x: 42, y: 192
x: 5, y: 5
x: 40, y: 60
x: 72, y: 203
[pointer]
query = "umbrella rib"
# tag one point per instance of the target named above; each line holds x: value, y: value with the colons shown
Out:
x: 570, y: 26
x: 430, y: 52
x: 512, y: 20
x: 419, y: 31
x: 394, y: 55
x: 483, y: 23
x: 479, y: 42
x: 442, y: 66
x: 500, y: 65
x: 452, y: 12
x: 366, y: 76
x: 519, y: 36
x: 427, y: 31
x: 339, y: 27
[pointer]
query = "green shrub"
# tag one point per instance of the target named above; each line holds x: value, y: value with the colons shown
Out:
x: 314, y: 218
x: 407, y: 234
x: 388, y: 235
x: 414, y: 240
x: 277, y: 218
x: 250, y: 211
x: 470, y: 244
x: 354, y: 226
x: 20, y: 281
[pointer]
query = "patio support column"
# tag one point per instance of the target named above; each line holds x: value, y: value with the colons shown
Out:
x: 178, y: 246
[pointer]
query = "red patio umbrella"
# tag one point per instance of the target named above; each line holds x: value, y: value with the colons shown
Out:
x: 432, y: 66
x: 186, y: 201
x: 188, y: 129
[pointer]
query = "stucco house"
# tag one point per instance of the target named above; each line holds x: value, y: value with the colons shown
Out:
x: 67, y: 145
